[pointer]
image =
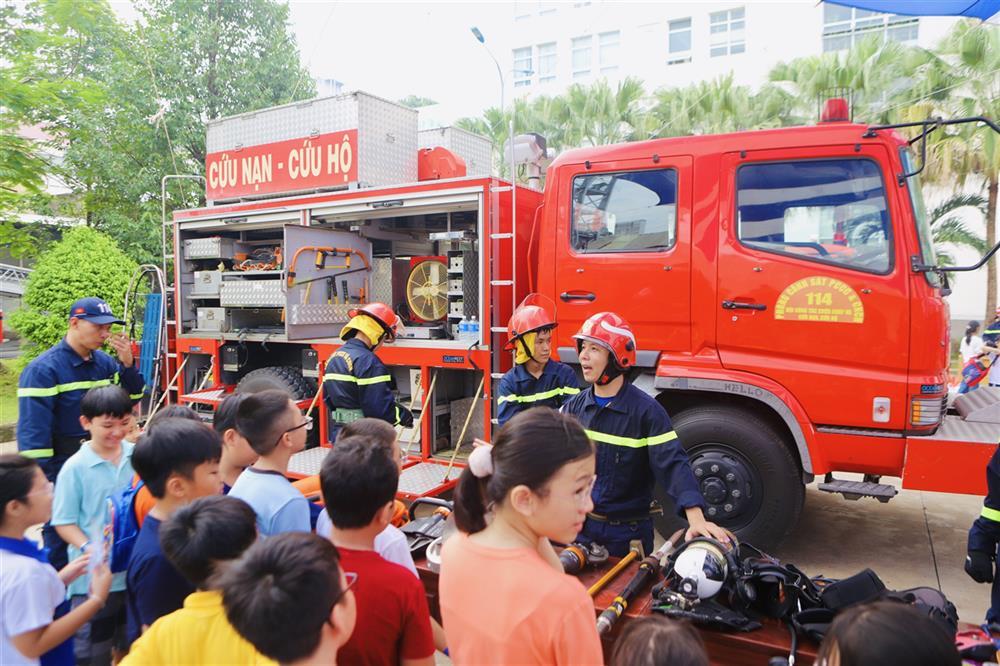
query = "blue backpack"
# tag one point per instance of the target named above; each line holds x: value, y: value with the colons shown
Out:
x: 124, y: 526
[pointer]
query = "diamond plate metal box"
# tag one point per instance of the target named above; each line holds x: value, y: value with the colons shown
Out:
x: 252, y: 294
x: 477, y: 151
x: 215, y: 247
x: 387, y: 133
x: 459, y: 412
x: 307, y: 314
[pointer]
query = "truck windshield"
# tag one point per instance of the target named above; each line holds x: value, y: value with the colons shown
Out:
x: 927, y: 254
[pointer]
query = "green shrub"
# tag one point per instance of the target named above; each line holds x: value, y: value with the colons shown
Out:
x: 84, y: 263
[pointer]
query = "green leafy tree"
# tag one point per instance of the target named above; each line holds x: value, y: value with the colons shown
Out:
x: 184, y: 63
x: 41, y: 81
x: 416, y: 101
x: 84, y: 263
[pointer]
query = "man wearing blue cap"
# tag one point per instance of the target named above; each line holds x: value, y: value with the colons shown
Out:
x: 52, y: 385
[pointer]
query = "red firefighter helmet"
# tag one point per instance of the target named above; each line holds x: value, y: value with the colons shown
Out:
x: 611, y: 331
x: 527, y: 318
x: 384, y: 315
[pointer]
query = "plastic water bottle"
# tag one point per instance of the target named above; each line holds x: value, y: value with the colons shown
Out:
x: 474, y: 330
x: 463, y: 330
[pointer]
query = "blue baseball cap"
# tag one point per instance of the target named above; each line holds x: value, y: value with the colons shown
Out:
x: 95, y: 310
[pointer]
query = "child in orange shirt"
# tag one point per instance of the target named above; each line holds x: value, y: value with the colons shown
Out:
x: 504, y: 596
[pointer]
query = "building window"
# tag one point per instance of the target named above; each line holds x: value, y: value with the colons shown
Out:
x: 545, y: 8
x: 728, y: 32
x: 843, y: 27
x: 522, y: 67
x: 679, y: 41
x: 607, y: 54
x: 581, y: 56
x: 547, y: 62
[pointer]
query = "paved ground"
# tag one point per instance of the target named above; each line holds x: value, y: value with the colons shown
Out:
x: 918, y: 538
x: 10, y: 348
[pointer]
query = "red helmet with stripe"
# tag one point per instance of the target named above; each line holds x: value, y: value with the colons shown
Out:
x: 384, y: 315
x: 611, y: 331
x: 527, y: 318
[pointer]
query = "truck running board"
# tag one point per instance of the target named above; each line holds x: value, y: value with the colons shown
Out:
x: 855, y: 490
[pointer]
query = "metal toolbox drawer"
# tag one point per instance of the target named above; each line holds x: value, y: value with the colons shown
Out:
x: 215, y: 247
x: 252, y: 294
x: 211, y: 319
x: 206, y: 283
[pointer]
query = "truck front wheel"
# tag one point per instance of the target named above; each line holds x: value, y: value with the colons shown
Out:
x: 750, y: 480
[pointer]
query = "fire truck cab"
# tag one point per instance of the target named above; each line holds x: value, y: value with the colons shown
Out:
x: 778, y: 283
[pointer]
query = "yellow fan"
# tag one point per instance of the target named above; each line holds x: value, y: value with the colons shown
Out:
x: 427, y: 290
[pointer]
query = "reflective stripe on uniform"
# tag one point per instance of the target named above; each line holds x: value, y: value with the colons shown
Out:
x: 632, y: 442
x: 396, y: 423
x: 38, y: 453
x: 364, y: 381
x: 990, y: 514
x: 563, y: 390
x: 61, y: 388
x: 136, y: 396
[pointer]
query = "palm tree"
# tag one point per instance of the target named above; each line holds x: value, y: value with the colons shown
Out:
x: 970, y: 57
x: 948, y: 229
x: 717, y: 106
x: 877, y: 74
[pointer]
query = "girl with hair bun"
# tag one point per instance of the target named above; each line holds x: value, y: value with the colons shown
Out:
x: 504, y: 596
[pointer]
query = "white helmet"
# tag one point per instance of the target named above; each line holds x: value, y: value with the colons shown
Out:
x: 702, y: 568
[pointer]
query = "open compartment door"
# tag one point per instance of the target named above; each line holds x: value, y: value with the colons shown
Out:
x: 328, y: 273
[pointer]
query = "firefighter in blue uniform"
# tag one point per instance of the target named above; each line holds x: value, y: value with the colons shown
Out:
x: 636, y: 445
x: 984, y: 537
x: 535, y: 380
x: 356, y: 383
x: 52, y: 385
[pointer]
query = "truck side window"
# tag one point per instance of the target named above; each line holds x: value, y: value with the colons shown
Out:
x: 833, y: 211
x: 630, y: 211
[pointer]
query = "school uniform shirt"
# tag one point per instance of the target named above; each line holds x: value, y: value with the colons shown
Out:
x: 198, y: 633
x: 81, y: 498
x: 520, y: 390
x: 278, y: 505
x: 970, y: 349
x: 509, y: 606
x: 30, y: 590
x: 394, y: 622
x: 48, y: 397
x: 154, y: 587
x: 355, y: 378
x: 390, y: 543
x: 636, y: 444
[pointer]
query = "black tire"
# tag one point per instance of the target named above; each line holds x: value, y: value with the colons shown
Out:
x: 751, y: 481
x: 282, y: 377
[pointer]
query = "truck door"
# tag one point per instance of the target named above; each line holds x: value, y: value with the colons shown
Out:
x: 813, y: 288
x: 623, y: 244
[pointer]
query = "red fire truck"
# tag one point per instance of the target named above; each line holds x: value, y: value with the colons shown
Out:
x: 781, y: 283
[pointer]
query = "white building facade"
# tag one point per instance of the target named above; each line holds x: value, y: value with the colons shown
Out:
x: 556, y: 44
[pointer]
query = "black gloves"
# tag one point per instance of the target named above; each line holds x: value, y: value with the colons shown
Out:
x: 979, y: 566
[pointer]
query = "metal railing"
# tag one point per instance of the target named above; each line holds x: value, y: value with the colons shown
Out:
x: 13, y: 279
